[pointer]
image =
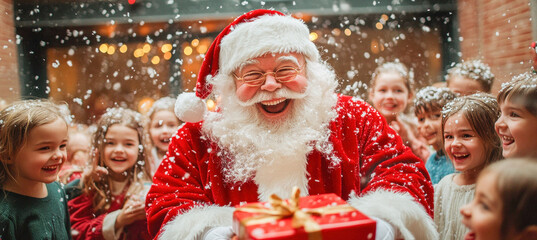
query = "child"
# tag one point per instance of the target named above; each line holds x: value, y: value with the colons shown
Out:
x: 390, y: 89
x: 428, y: 109
x: 162, y: 125
x: 33, y: 139
x: 471, y: 144
x: 109, y: 206
x: 517, y: 126
x: 470, y: 77
x: 390, y: 92
x: 78, y: 153
x: 504, y: 203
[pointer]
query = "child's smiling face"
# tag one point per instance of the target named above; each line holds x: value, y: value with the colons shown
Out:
x: 430, y: 128
x: 390, y: 95
x: 463, y: 145
x: 517, y: 128
x: 163, y: 125
x: 40, y: 159
x: 121, y: 148
x: 483, y: 216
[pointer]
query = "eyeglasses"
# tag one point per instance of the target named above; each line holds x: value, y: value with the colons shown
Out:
x: 257, y: 78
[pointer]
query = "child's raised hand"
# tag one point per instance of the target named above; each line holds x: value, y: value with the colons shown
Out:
x: 418, y: 147
x: 132, y: 211
x: 401, y: 128
x: 99, y: 172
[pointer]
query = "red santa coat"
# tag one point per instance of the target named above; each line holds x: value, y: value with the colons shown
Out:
x: 189, y: 194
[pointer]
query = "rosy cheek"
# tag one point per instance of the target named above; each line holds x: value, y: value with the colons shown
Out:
x: 377, y: 99
x: 245, y: 93
x: 298, y: 85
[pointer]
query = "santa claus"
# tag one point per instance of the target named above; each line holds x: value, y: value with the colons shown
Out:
x: 280, y: 124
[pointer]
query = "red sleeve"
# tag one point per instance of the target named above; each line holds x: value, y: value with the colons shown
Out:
x: 75, y: 176
x: 177, y: 184
x: 84, y: 223
x: 386, y: 163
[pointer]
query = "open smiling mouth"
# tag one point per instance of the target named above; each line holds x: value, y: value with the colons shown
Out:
x: 389, y: 106
x: 507, y: 140
x: 469, y: 236
x: 275, y: 106
x: 165, y: 140
x: 51, y: 168
x: 460, y: 156
x: 431, y: 136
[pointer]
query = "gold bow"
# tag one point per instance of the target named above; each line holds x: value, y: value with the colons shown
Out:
x: 281, y: 209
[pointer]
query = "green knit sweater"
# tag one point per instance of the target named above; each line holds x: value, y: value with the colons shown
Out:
x: 23, y: 217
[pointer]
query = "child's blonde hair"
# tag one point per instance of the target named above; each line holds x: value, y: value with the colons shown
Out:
x: 396, y: 67
x: 473, y: 69
x: 430, y: 99
x: 480, y: 110
x: 138, y: 174
x: 522, y: 89
x: 516, y: 182
x: 16, y: 122
x: 165, y: 103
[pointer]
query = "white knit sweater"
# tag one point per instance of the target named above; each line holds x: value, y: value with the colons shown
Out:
x: 448, y: 200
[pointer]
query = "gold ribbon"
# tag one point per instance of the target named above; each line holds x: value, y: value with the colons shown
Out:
x: 280, y: 209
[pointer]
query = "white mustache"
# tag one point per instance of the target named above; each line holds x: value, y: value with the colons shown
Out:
x: 265, y: 96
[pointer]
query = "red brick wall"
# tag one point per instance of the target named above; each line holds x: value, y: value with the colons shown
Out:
x: 499, y: 32
x: 9, y: 77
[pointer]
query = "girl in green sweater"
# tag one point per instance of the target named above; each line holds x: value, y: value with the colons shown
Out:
x: 33, y: 138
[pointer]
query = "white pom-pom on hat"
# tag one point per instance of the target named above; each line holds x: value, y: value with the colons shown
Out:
x: 189, y: 107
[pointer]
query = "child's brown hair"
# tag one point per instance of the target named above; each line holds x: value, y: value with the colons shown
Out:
x: 480, y: 110
x: 473, y: 69
x: 164, y: 103
x: 430, y: 99
x: 516, y: 183
x: 16, y: 122
x: 396, y: 67
x: 138, y: 174
x: 522, y: 89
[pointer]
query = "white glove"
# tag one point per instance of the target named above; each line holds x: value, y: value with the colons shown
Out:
x: 218, y: 233
x: 385, y: 230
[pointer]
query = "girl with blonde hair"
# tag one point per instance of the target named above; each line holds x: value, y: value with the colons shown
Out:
x: 33, y: 139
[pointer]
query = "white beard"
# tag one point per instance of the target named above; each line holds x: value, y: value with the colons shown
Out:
x: 273, y: 153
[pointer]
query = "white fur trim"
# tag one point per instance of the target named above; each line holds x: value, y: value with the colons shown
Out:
x: 191, y: 225
x: 189, y: 107
x: 266, y: 34
x: 109, y: 226
x: 399, y: 209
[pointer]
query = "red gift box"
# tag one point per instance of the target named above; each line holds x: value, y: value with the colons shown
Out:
x: 325, y: 216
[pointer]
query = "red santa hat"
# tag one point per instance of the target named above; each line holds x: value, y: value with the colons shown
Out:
x: 251, y: 35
